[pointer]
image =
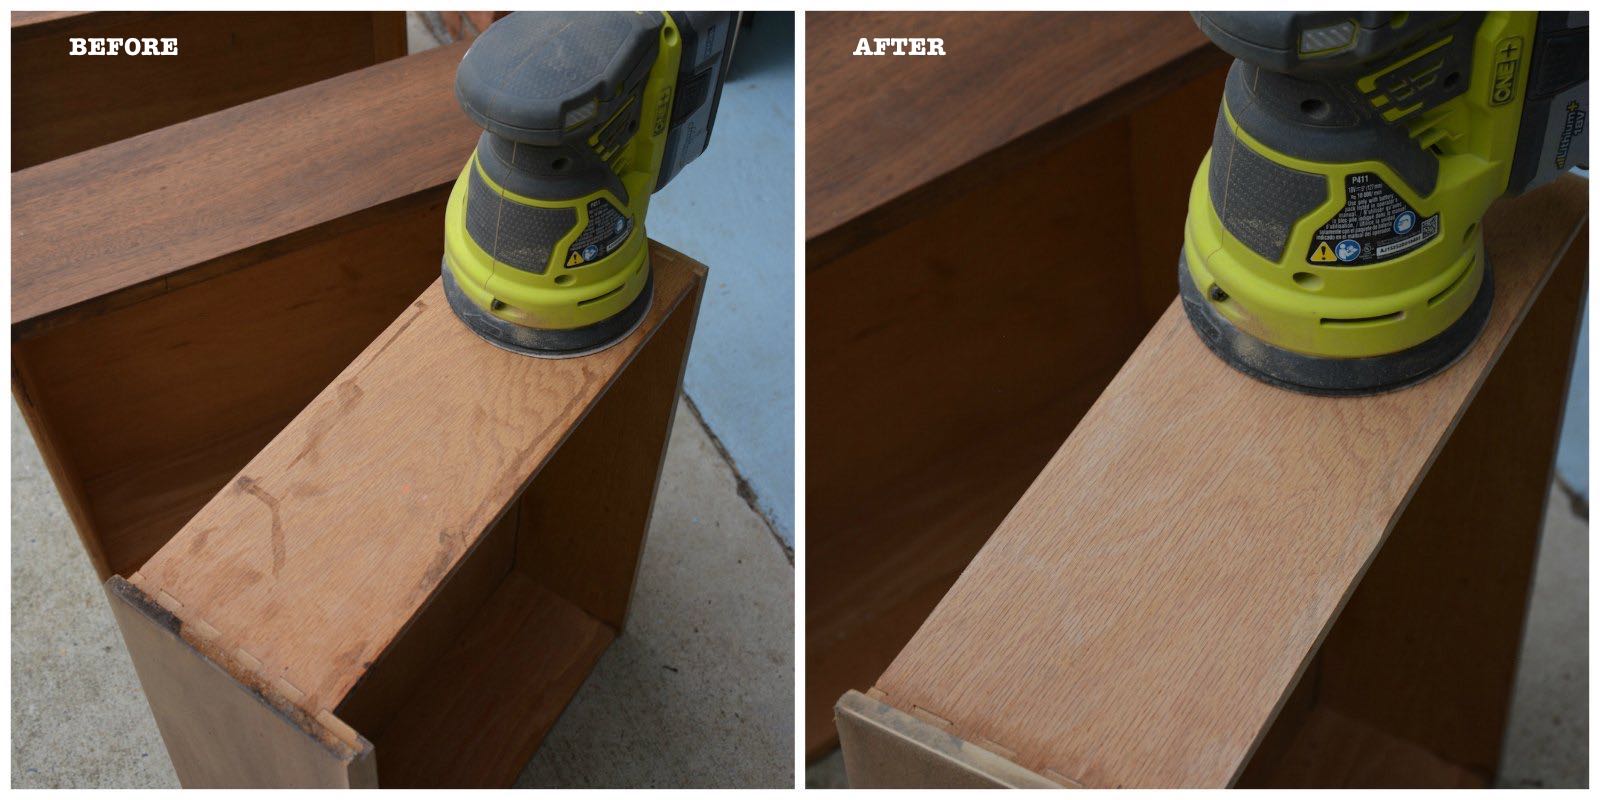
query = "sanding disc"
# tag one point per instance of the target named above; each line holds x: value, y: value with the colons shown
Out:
x: 568, y: 343
x: 1333, y: 376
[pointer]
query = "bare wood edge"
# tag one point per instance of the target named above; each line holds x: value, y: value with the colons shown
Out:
x: 135, y: 609
x: 1557, y: 258
x: 886, y: 748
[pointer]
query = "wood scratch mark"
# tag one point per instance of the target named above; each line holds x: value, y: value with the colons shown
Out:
x: 349, y: 393
x: 442, y: 559
x: 248, y: 485
x: 420, y: 307
x: 200, y: 539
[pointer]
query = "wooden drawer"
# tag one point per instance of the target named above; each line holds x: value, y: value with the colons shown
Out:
x: 1214, y: 582
x: 407, y: 585
x: 228, y: 317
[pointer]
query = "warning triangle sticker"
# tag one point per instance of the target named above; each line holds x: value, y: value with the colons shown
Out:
x: 1323, y: 254
x: 577, y: 258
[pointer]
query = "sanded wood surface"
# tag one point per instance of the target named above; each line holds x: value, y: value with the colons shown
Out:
x: 329, y: 542
x: 142, y: 216
x: 1141, y: 615
x: 222, y: 733
x: 64, y: 104
x: 887, y: 133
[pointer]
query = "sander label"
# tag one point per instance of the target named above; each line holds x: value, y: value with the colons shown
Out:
x: 608, y: 228
x: 1375, y: 225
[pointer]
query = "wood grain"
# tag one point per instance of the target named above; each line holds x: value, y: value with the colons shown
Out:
x: 1142, y: 614
x: 390, y: 683
x: 64, y: 104
x: 885, y: 135
x: 321, y: 553
x: 911, y: 464
x: 134, y: 218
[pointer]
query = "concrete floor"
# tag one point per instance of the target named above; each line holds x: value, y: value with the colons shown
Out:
x: 1547, y: 737
x: 698, y: 692
x: 733, y: 210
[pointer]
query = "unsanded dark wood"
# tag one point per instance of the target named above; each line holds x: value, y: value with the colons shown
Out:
x: 64, y: 104
x: 887, y: 134
x: 130, y: 220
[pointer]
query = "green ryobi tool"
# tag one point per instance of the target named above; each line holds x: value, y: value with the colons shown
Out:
x: 1333, y: 243
x: 585, y: 114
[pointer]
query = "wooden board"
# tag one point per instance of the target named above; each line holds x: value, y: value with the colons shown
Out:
x: 222, y: 733
x: 911, y: 464
x: 64, y: 104
x: 204, y: 197
x: 1012, y: 87
x: 370, y: 510
x: 1143, y: 613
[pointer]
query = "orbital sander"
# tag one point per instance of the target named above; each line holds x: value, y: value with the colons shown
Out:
x: 1333, y: 243
x: 585, y: 114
